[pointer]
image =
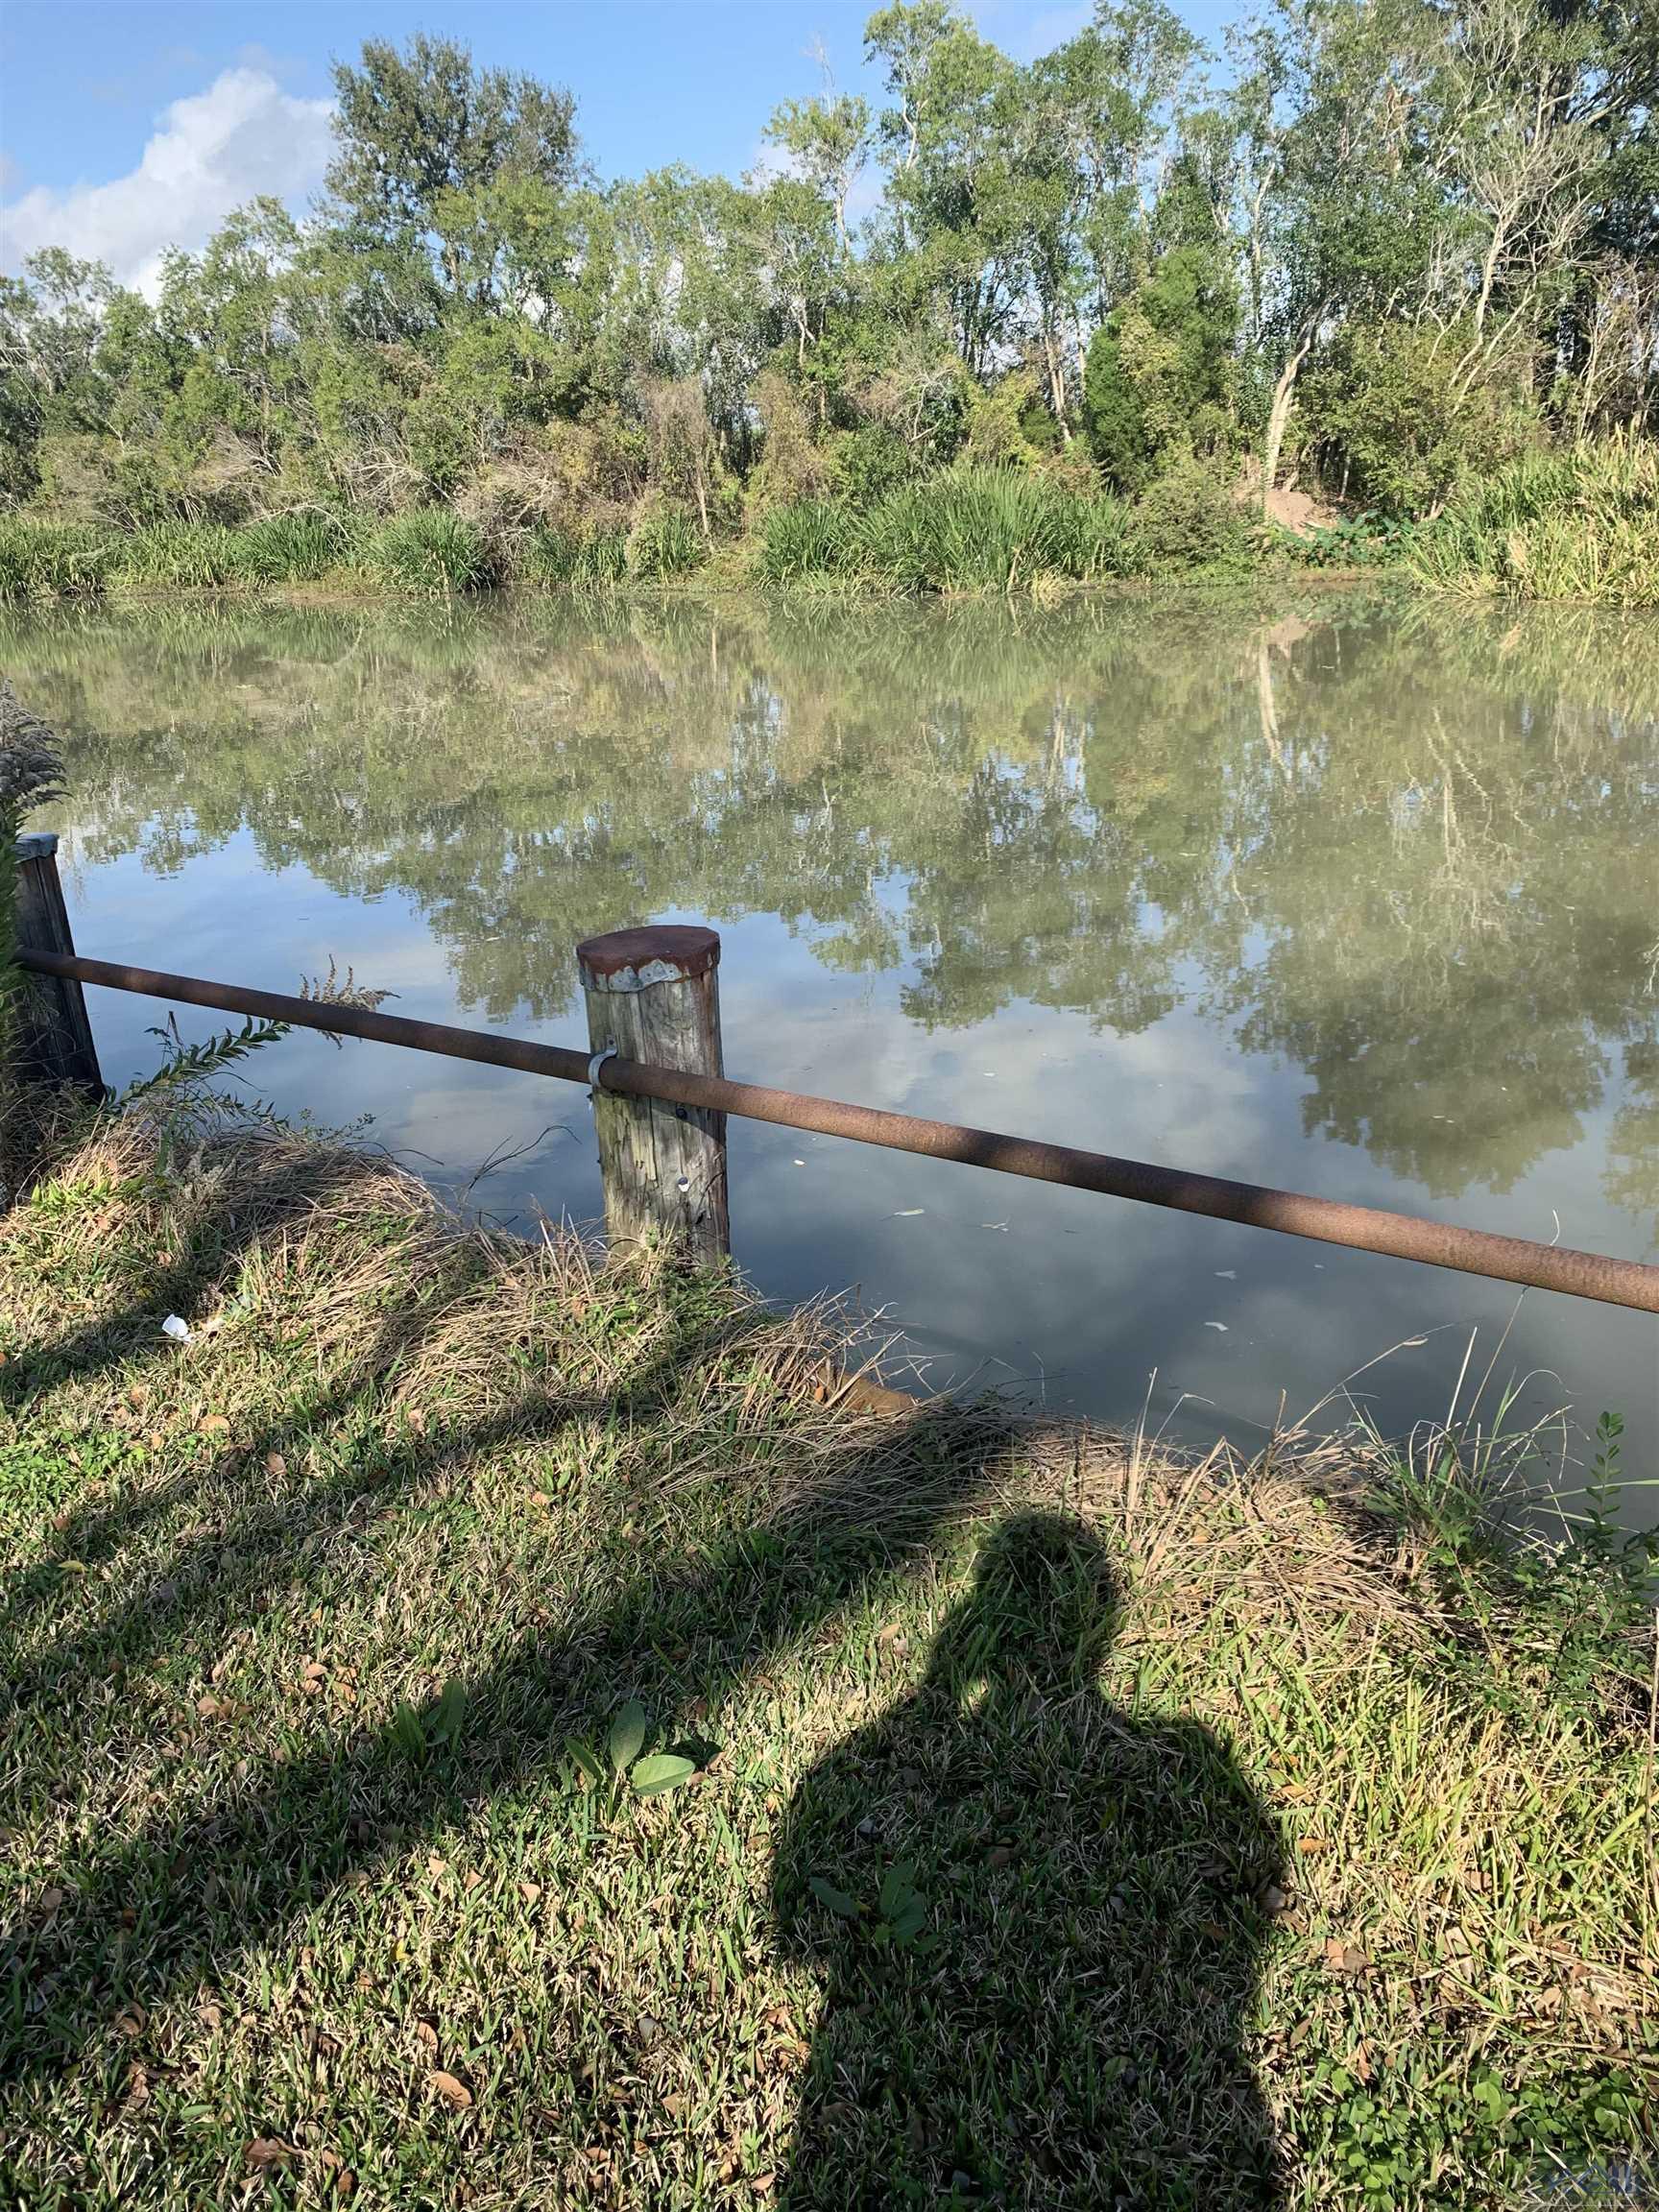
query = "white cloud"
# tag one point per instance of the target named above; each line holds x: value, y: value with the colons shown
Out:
x: 212, y: 152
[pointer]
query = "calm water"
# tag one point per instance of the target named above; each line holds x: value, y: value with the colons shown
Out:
x: 1360, y: 896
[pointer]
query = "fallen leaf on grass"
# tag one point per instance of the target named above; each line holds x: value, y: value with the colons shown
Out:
x: 453, y: 2091
x: 345, y: 2179
x: 529, y: 1891
x: 427, y: 2035
x: 1310, y: 1845
x: 1345, y: 1957
x: 130, y: 2020
x: 275, y: 1465
x: 213, y: 1425
x: 266, y: 2152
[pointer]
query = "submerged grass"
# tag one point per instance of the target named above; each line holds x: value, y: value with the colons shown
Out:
x: 1057, y: 1823
x: 1578, y: 524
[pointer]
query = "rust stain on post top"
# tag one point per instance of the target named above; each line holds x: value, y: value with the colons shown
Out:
x: 634, y: 959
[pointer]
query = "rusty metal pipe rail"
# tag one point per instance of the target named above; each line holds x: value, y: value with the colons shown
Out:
x: 1627, y: 1283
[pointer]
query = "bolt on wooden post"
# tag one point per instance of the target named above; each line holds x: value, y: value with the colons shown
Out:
x: 654, y: 996
x: 53, y: 1038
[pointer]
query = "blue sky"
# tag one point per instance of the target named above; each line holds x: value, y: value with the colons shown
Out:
x: 129, y: 124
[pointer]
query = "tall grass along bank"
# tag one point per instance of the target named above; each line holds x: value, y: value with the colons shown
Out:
x: 1578, y: 524
x: 488, y: 1726
x: 1581, y: 524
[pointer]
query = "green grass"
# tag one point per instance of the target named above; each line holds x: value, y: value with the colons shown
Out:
x: 665, y: 541
x: 1052, y: 1819
x: 969, y: 530
x: 297, y: 548
x: 44, y: 560
x: 429, y: 553
x: 806, y: 538
x: 572, y: 559
x: 1576, y: 523
x: 1582, y: 523
x: 53, y: 560
x: 179, y: 556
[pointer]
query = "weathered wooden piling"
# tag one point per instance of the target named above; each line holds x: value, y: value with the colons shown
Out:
x: 53, y: 1039
x: 654, y: 996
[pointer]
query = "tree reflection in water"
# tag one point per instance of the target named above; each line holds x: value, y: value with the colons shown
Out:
x: 1414, y: 849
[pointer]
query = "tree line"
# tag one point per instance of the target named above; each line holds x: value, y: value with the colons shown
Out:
x: 1380, y: 247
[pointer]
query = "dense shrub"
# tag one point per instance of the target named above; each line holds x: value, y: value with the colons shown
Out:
x: 1188, y: 519
x: 869, y: 463
x: 1355, y: 542
x: 1391, y: 425
x: 1158, y: 373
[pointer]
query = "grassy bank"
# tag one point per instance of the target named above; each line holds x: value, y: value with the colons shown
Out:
x: 1580, y: 524
x: 971, y: 530
x: 489, y: 1730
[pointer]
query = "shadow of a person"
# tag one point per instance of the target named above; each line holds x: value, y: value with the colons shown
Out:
x: 1036, y: 1920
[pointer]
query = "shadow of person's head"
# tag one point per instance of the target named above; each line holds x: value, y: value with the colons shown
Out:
x: 1041, y: 1615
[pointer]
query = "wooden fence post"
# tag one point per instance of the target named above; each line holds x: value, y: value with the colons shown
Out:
x: 653, y: 995
x: 53, y: 1037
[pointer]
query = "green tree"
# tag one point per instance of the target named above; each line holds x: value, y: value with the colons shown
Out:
x: 1159, y: 370
x: 429, y: 141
